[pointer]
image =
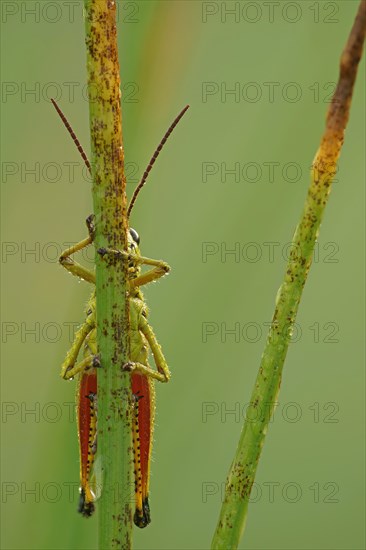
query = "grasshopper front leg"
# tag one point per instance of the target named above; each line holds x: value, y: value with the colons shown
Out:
x: 73, y: 267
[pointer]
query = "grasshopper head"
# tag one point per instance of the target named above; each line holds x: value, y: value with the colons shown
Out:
x: 134, y: 267
x: 133, y: 242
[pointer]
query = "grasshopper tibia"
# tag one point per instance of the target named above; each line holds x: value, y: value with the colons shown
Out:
x: 96, y: 361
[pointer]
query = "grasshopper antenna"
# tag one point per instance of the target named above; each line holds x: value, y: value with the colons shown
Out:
x: 72, y: 134
x: 153, y: 159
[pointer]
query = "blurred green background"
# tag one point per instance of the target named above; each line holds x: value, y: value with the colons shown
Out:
x: 280, y: 61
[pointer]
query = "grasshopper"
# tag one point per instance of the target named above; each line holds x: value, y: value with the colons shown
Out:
x: 142, y: 338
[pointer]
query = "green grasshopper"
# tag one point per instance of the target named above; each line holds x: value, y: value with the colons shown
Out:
x: 141, y: 337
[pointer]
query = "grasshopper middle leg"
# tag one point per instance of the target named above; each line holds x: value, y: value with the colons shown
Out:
x: 162, y: 374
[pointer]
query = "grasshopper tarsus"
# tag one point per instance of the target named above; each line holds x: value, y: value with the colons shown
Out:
x: 110, y: 254
x: 102, y: 252
x: 96, y: 361
x: 111, y: 251
x: 91, y: 396
x: 128, y: 367
x: 136, y: 396
x: 90, y: 224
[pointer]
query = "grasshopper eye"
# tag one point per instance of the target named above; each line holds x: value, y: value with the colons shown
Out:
x: 135, y: 236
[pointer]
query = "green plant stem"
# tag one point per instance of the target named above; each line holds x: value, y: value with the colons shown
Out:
x: 109, y: 199
x: 263, y: 399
